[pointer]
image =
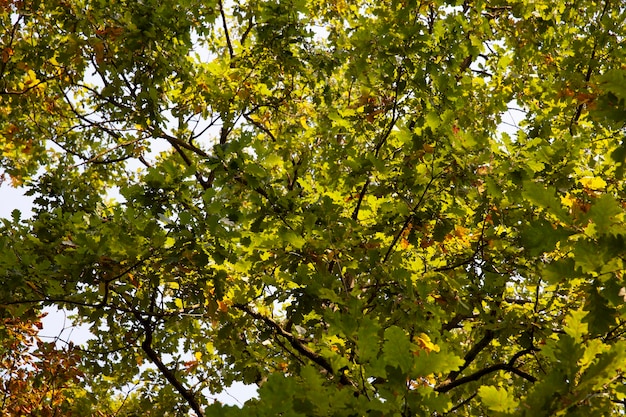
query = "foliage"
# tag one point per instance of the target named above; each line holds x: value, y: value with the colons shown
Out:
x: 38, y: 379
x: 321, y: 198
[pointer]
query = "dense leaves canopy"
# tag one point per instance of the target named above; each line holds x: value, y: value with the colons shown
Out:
x: 320, y: 197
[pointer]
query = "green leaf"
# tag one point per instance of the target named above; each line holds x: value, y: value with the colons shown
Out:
x: 432, y: 120
x: 601, y: 317
x: 293, y: 239
x: 542, y: 236
x: 544, y: 197
x: 368, y: 340
x: 575, y: 325
x: 396, y: 348
x: 601, y: 370
x: 497, y: 399
x: 606, y: 213
x: 614, y: 81
x: 560, y: 270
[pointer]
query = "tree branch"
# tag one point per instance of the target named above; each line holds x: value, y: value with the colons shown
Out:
x: 174, y: 140
x: 581, y: 106
x: 461, y: 404
x: 297, y: 344
x: 473, y: 352
x: 509, y: 367
x: 177, y: 144
x: 231, y: 52
x: 409, y: 219
x: 383, y: 140
x: 167, y: 373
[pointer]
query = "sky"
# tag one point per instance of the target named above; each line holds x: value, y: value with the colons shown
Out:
x: 11, y: 199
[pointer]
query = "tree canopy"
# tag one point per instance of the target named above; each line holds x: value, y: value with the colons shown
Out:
x: 319, y: 197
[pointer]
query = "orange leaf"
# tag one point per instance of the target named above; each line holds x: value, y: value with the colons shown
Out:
x: 7, y: 53
x: 222, y: 306
x: 98, y: 48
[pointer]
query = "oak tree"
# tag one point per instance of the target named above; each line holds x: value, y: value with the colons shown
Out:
x: 328, y: 199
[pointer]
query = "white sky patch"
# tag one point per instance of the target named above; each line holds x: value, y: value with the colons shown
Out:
x: 12, y: 198
x: 511, y: 119
x: 59, y: 328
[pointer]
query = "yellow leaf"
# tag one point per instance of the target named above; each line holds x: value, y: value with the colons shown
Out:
x: 567, y: 200
x: 198, y: 355
x: 460, y: 231
x: 424, y: 342
x: 593, y: 183
x: 31, y: 78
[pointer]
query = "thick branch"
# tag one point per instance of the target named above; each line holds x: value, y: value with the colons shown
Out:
x: 479, y: 374
x: 159, y: 315
x: 355, y: 213
x: 177, y: 146
x: 259, y: 126
x: 231, y: 52
x: 175, y: 141
x: 474, y: 351
x: 96, y: 158
x: 167, y: 373
x: 296, y: 343
x: 455, y: 321
x: 509, y: 367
